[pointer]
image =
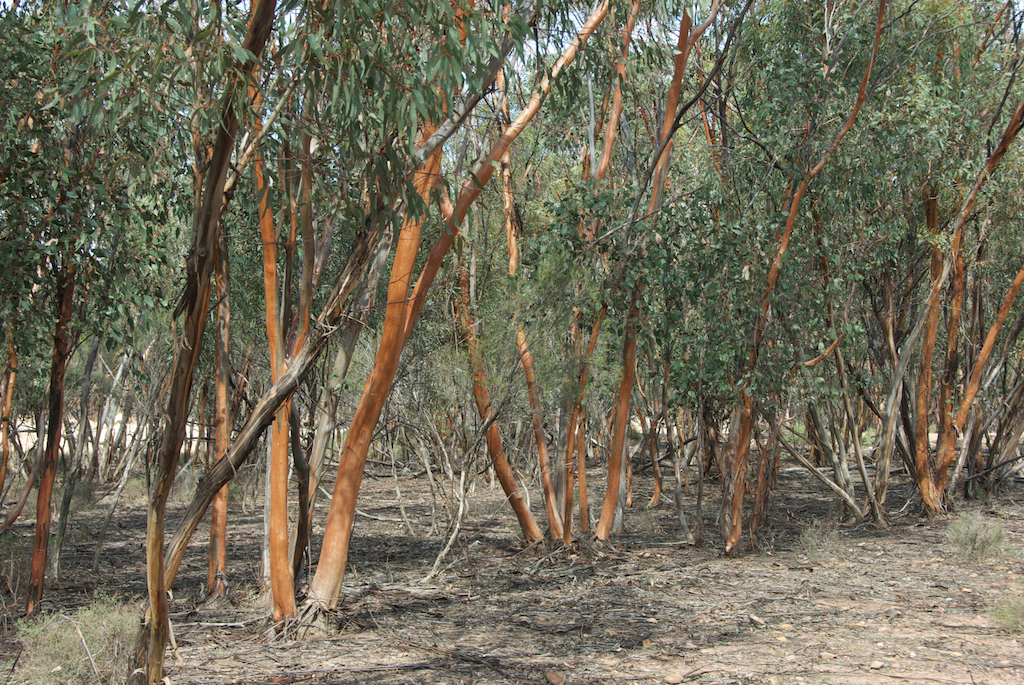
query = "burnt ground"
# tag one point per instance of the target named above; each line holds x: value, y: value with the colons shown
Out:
x: 865, y: 606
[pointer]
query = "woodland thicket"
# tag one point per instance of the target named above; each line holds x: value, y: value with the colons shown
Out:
x: 705, y: 238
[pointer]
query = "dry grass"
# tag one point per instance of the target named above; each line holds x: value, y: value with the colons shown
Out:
x: 1009, y: 615
x: 974, y: 537
x: 89, y: 645
x: 645, y: 522
x: 819, y: 540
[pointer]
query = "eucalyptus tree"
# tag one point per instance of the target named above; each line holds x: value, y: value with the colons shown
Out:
x: 72, y: 210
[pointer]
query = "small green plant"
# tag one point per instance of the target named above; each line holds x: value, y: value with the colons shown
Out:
x: 819, y: 539
x: 1009, y: 615
x: 88, y: 645
x: 974, y: 537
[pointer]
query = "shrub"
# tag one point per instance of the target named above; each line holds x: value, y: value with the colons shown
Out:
x: 973, y: 537
x: 1009, y: 615
x: 55, y: 645
x: 819, y: 539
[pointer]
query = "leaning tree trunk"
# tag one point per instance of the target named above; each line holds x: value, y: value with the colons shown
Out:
x: 611, y: 497
x: 326, y: 585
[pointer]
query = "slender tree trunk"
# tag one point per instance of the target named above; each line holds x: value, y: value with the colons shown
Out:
x: 495, y: 447
x: 282, y: 584
x: 922, y: 456
x: 5, y: 416
x: 194, y: 304
x: 217, y: 577
x: 75, y: 470
x: 611, y: 498
x: 555, y: 520
x: 48, y: 470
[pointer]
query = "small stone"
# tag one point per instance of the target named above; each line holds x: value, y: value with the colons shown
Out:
x: 826, y: 655
x: 875, y: 665
x: 674, y: 678
x: 757, y: 621
x: 556, y: 677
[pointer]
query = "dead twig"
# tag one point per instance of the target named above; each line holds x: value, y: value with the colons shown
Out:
x: 86, y: 645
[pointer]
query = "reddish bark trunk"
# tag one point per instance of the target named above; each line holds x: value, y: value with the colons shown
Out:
x: 604, y: 525
x: 194, y: 303
x: 326, y: 585
x: 217, y: 577
x: 495, y: 448
x: 400, y: 316
x: 5, y: 417
x: 555, y: 520
x: 922, y: 452
x: 48, y: 468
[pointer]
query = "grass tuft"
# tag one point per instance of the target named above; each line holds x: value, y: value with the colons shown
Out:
x: 974, y: 537
x: 1009, y: 615
x: 55, y: 653
x: 819, y: 539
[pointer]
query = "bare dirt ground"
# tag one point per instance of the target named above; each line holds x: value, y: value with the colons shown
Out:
x: 870, y: 606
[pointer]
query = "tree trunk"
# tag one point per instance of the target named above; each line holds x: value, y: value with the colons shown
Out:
x: 194, y: 304
x: 531, y: 531
x: 282, y: 584
x: 611, y: 498
x: 5, y: 416
x: 326, y: 585
x: 76, y: 463
x: 922, y: 457
x: 48, y: 469
x: 217, y: 576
